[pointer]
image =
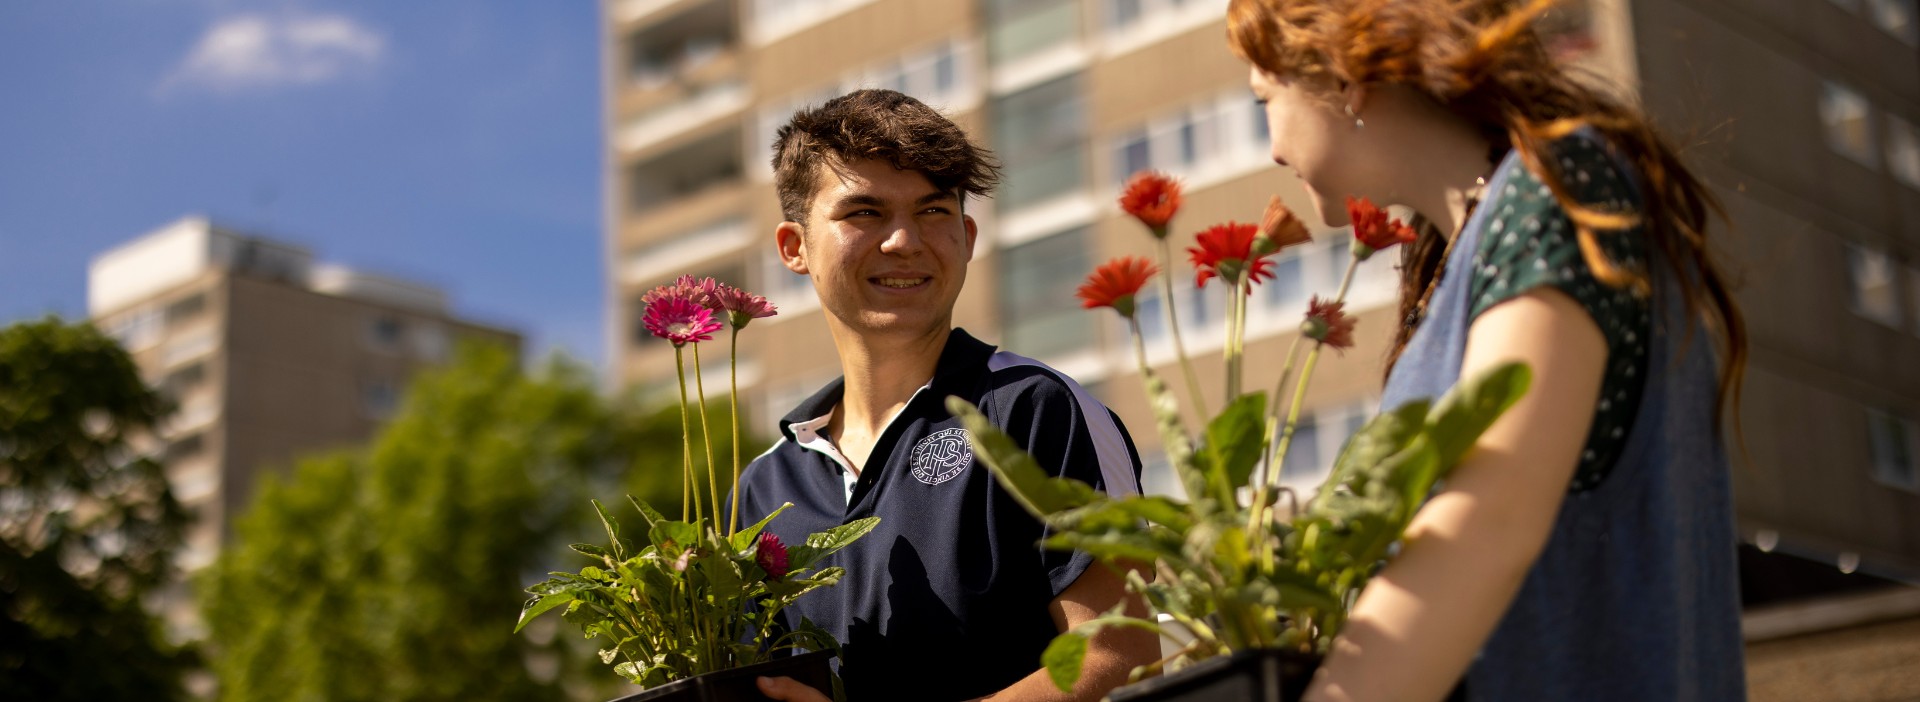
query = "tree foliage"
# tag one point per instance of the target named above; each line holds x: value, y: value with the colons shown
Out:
x: 395, y: 572
x: 87, y: 527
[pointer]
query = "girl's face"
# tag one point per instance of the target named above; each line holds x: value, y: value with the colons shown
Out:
x: 1312, y: 135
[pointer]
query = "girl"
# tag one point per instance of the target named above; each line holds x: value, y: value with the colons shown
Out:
x: 1586, y: 549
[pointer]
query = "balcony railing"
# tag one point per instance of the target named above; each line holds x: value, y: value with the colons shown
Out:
x: 703, y: 105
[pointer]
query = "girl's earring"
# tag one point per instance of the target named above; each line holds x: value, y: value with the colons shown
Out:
x: 1357, y: 122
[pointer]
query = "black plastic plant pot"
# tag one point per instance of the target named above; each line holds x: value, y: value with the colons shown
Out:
x: 737, y: 685
x: 1260, y: 675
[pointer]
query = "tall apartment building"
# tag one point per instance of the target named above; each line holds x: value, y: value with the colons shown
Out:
x: 268, y: 355
x: 1800, y: 112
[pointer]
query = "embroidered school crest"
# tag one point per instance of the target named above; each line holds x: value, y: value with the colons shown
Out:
x: 941, y: 456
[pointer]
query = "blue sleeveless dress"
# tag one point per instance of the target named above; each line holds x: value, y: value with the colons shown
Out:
x: 1636, y: 595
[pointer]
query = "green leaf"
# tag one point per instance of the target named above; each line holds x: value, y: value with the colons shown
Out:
x: 1415, y: 469
x: 613, y: 529
x: 653, y: 516
x: 591, y: 550
x: 1016, y: 471
x: 822, y: 544
x: 1112, y: 545
x: 1465, y: 412
x: 1063, y: 658
x: 743, y: 539
x: 673, y: 537
x: 724, y: 577
x: 1382, y: 436
x: 1235, y: 442
x: 551, y: 594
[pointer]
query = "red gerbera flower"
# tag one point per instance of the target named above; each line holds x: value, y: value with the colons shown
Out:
x: 1328, y: 323
x: 1115, y: 283
x: 680, y: 320
x: 1225, y: 250
x: 1153, y: 198
x: 1371, y: 229
x: 771, y: 555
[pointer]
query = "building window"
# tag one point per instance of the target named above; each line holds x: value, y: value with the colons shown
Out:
x: 1132, y: 156
x: 184, y: 448
x: 1041, y: 133
x: 1903, y: 151
x: 1287, y: 290
x: 138, y: 330
x: 430, y: 342
x: 185, y: 379
x: 1261, y: 131
x: 1208, y: 138
x: 1317, y: 441
x: 1020, y: 28
x: 186, y: 308
x: 189, y: 346
x: 379, y: 398
x: 1895, y: 17
x: 1849, y: 123
x: 1876, y: 292
x: 1038, y: 311
x: 385, y: 332
x: 1122, y: 13
x: 1891, y: 439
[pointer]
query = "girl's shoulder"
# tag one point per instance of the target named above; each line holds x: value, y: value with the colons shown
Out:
x: 1529, y: 240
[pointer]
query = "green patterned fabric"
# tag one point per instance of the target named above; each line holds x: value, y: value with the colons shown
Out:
x: 1530, y: 242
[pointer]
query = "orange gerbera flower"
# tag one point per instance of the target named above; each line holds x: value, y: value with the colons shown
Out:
x: 1225, y: 250
x: 1115, y: 283
x: 1153, y: 198
x: 1280, y: 229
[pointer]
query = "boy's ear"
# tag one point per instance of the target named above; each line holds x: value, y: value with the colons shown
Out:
x: 791, y: 240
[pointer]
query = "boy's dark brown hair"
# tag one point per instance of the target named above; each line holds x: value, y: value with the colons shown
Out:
x: 883, y: 125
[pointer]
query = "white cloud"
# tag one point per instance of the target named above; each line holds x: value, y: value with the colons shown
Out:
x: 249, y: 52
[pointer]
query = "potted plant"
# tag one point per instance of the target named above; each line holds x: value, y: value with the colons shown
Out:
x: 694, y: 613
x: 1257, y: 582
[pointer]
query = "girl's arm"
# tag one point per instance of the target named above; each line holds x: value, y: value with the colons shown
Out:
x: 1419, y: 623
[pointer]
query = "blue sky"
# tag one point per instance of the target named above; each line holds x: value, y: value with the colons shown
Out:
x: 455, y: 142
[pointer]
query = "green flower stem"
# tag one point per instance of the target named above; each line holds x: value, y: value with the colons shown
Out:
x: 733, y: 398
x: 686, y: 441
x: 1270, y: 469
x: 706, y: 437
x: 1257, y: 520
x: 1166, y: 415
x: 1236, y: 328
x: 1173, y: 327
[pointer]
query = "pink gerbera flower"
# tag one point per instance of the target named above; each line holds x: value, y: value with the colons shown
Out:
x: 680, y: 320
x: 771, y: 556
x: 739, y: 305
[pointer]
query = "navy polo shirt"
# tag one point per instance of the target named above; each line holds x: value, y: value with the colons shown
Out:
x: 947, y: 598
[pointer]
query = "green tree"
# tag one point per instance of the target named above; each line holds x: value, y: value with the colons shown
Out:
x: 87, y: 526
x: 396, y: 572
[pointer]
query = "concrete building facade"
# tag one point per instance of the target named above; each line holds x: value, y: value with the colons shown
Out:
x: 267, y: 355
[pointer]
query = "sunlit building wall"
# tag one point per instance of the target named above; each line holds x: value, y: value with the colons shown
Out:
x: 267, y: 355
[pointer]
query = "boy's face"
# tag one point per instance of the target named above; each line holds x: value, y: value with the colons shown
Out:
x: 887, y: 251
